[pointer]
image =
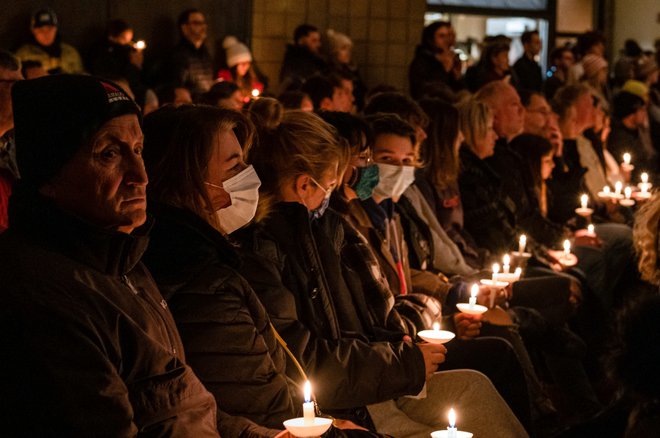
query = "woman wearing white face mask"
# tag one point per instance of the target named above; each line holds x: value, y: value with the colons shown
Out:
x: 201, y: 189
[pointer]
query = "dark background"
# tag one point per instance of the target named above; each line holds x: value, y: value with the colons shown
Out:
x: 83, y: 22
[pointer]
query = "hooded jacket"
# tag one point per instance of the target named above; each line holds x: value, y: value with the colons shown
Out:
x: 90, y: 346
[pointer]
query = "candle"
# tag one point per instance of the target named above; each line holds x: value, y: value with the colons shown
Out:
x: 590, y: 229
x: 606, y: 190
x: 628, y: 192
x: 474, y: 291
x: 506, y: 261
x: 496, y: 270
x: 255, y: 92
x: 618, y: 187
x: 645, y: 178
x: 140, y: 45
x: 518, y: 272
x: 308, y: 406
x: 522, y: 243
x: 567, y: 248
x: 436, y: 326
x: 451, y: 430
x: 584, y: 201
x: 626, y: 159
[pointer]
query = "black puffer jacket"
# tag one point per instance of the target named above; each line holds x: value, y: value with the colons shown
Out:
x: 223, y: 325
x: 426, y: 72
x: 191, y: 67
x: 489, y: 215
x: 294, y: 265
x: 89, y: 346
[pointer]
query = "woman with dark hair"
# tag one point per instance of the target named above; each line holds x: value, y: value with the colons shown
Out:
x: 241, y: 69
x: 435, y: 64
x: 492, y: 66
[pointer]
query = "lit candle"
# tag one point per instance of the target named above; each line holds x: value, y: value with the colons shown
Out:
x: 567, y: 248
x: 496, y: 270
x: 522, y: 243
x: 584, y: 201
x: 451, y: 430
x: 518, y: 272
x: 474, y: 291
x: 628, y: 192
x: 590, y: 229
x: 626, y: 159
x: 645, y: 178
x: 308, y: 406
x: 140, y: 45
x: 255, y: 92
x: 618, y: 187
x: 606, y: 190
x: 506, y: 261
x: 436, y: 326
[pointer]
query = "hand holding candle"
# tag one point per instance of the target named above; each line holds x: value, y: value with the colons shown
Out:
x: 567, y: 248
x: 584, y: 201
x: 506, y: 263
x: 584, y: 209
x: 474, y: 291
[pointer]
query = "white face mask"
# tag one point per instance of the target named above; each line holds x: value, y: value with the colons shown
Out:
x: 243, y: 189
x: 393, y: 180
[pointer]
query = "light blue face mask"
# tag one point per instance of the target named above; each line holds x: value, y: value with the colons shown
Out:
x: 318, y: 212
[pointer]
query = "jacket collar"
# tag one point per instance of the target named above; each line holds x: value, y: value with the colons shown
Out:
x: 110, y: 252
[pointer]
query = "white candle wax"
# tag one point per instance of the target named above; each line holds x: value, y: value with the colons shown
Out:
x: 451, y: 430
x: 628, y: 192
x: 567, y: 248
x: 518, y: 272
x: 308, y: 406
x: 436, y: 326
x: 584, y: 201
x: 521, y: 244
x: 474, y: 291
x: 618, y: 187
x: 506, y: 263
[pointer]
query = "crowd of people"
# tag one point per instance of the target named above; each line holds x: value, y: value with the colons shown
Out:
x: 179, y: 255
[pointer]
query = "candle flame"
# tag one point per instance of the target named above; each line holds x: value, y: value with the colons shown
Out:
x: 645, y: 177
x: 255, y: 92
x: 626, y: 158
x: 518, y: 271
x: 496, y: 268
x: 590, y: 228
x: 628, y: 192
x: 618, y: 186
x: 606, y: 190
x: 452, y: 418
x: 140, y: 45
x: 506, y: 259
x: 584, y: 200
x: 474, y: 291
x: 567, y: 245
x: 523, y: 239
x: 307, y: 391
x: 436, y: 326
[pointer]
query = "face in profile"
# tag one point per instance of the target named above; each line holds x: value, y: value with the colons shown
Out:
x: 105, y: 182
x: 226, y: 162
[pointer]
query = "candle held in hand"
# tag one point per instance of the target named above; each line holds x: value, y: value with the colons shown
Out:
x: 308, y: 406
x: 436, y: 326
x: 567, y: 248
x: 590, y: 229
x: 618, y: 187
x: 645, y: 178
x: 626, y: 158
x: 506, y: 263
x: 628, y: 192
x: 584, y: 201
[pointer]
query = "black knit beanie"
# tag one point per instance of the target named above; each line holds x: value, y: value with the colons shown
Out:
x: 625, y: 104
x: 55, y: 115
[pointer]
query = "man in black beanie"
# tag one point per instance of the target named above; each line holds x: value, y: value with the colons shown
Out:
x: 89, y: 346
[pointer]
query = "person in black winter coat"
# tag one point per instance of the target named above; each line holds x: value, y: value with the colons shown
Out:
x: 302, y: 59
x: 90, y: 342
x: 435, y: 65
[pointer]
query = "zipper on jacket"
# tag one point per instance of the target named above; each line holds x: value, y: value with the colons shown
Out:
x: 129, y: 284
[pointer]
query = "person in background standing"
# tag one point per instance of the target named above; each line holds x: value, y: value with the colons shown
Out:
x: 526, y: 68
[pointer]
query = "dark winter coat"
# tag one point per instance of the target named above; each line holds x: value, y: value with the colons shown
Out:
x: 223, y: 325
x: 528, y: 73
x: 489, y: 215
x: 299, y: 64
x: 90, y: 347
x: 427, y: 71
x: 191, y: 67
x: 294, y: 264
